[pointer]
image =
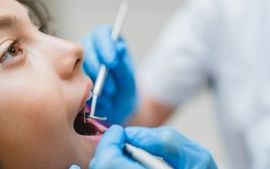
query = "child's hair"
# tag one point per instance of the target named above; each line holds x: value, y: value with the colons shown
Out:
x: 38, y: 14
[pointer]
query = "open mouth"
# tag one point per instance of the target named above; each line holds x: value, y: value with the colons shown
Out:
x: 86, y: 126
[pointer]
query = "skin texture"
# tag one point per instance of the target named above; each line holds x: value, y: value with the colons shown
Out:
x: 42, y: 87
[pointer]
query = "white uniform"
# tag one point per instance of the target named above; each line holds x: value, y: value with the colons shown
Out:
x: 227, y: 41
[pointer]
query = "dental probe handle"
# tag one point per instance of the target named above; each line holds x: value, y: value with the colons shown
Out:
x: 97, y: 90
x: 145, y: 158
x: 119, y: 20
x: 100, y: 80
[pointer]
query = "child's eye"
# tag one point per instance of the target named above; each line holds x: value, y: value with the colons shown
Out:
x: 13, y: 51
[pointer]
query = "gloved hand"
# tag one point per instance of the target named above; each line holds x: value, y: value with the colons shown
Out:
x: 119, y: 96
x: 174, y: 148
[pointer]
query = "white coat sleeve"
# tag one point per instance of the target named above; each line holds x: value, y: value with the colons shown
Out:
x: 179, y: 63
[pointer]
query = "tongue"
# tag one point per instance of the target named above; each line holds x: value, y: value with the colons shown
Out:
x: 100, y: 127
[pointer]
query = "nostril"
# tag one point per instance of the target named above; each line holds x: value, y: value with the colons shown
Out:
x: 77, y: 63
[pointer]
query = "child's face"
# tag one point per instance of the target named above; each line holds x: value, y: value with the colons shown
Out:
x: 42, y: 89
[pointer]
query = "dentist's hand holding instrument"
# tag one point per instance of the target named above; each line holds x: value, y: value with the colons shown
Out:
x: 177, y: 150
x: 105, y: 52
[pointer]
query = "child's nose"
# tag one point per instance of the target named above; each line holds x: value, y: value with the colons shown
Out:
x: 71, y: 58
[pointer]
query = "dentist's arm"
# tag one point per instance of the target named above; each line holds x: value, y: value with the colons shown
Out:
x: 174, y: 148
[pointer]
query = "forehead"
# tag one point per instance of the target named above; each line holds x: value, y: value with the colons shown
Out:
x: 13, y: 8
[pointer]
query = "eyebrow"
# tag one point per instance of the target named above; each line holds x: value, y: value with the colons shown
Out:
x: 7, y: 22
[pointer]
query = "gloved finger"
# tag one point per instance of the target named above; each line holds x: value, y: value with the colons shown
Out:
x: 74, y: 167
x: 109, y: 152
x: 104, y: 107
x: 105, y: 46
x: 176, y: 149
x: 91, y: 67
x: 123, y: 72
x: 162, y: 142
x: 115, y: 56
x: 92, y: 53
x: 105, y: 102
x: 109, y: 86
x: 112, y: 142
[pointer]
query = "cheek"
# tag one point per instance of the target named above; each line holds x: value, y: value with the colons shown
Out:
x: 33, y: 120
x: 30, y: 95
x: 29, y: 107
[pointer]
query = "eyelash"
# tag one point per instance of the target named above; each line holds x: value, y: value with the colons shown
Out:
x: 5, y: 58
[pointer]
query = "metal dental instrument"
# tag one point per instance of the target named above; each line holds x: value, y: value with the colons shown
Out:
x: 103, y: 70
x: 90, y: 95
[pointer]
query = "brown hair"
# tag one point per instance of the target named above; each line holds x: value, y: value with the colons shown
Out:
x: 38, y: 14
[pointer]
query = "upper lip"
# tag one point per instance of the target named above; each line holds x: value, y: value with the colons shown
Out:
x: 85, y: 96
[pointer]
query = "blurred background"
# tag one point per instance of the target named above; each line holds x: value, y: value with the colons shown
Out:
x: 72, y: 19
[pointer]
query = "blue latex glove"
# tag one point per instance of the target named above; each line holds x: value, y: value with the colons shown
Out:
x: 118, y: 98
x: 75, y: 167
x: 174, y: 148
